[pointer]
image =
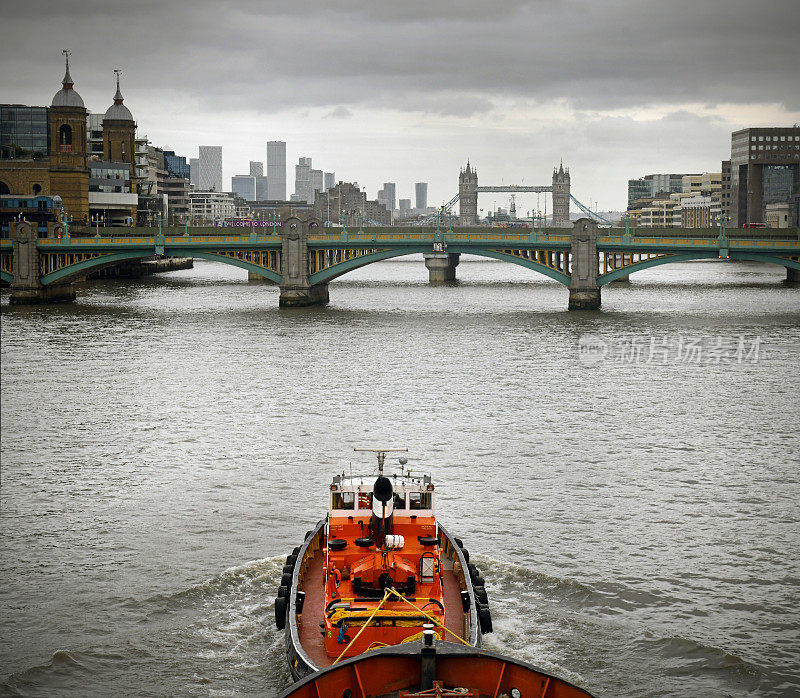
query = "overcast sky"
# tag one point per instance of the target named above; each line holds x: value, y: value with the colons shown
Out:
x: 408, y: 90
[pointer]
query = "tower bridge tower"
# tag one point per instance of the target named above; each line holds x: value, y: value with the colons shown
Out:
x: 468, y: 196
x: 561, y: 197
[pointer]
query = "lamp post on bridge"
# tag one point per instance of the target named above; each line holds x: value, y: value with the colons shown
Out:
x: 96, y: 220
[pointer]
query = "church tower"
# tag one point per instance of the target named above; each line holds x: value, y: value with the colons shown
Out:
x: 119, y: 142
x: 69, y: 173
x: 119, y: 132
x: 561, y: 197
x: 468, y: 196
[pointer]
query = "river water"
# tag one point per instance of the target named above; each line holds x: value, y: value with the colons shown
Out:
x: 626, y: 480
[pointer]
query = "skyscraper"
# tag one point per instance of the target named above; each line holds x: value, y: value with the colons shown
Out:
x: 421, y: 192
x: 261, y: 189
x: 194, y: 172
x: 302, y: 181
x: 256, y: 169
x: 244, y: 186
x: 276, y: 170
x: 210, y: 177
x: 316, y: 184
x: 389, y: 194
x: 329, y: 181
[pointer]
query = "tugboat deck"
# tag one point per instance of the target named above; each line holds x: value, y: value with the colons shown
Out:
x: 308, y: 623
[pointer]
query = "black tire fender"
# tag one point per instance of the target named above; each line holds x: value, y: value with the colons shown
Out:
x: 485, y: 618
x: 280, y: 611
x: 480, y: 595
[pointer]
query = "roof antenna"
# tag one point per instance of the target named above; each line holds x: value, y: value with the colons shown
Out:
x: 381, y: 453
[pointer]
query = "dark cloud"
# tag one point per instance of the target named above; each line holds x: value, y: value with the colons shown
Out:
x: 339, y: 112
x: 416, y: 55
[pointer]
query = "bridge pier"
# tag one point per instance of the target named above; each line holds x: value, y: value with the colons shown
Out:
x: 303, y: 296
x: 441, y: 266
x: 584, y: 293
x: 27, y: 287
x: 296, y: 290
x: 793, y: 275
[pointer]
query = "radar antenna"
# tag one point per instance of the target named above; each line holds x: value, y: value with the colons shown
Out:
x: 381, y: 453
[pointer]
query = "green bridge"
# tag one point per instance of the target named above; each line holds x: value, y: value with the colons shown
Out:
x: 302, y: 257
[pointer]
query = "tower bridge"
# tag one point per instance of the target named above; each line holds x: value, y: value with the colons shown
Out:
x: 468, y: 191
x: 303, y: 256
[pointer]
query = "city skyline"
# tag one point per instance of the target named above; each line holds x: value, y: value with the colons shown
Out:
x: 577, y: 83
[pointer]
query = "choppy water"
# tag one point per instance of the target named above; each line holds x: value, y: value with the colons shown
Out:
x: 165, y: 443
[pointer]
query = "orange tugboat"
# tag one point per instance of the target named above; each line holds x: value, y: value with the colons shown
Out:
x: 374, y: 571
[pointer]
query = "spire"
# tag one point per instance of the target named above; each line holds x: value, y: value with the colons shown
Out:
x: 118, y: 95
x: 67, y: 96
x: 561, y: 167
x: 67, y: 81
x: 118, y: 111
x: 467, y: 170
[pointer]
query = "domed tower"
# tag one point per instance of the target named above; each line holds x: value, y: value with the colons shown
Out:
x: 561, y: 197
x: 468, y: 196
x: 69, y: 174
x: 119, y: 139
x: 119, y: 132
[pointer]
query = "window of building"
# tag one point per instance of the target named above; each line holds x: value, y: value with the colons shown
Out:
x: 65, y: 135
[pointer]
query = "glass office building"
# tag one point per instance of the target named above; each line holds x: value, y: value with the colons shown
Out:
x: 176, y: 165
x: 24, y: 132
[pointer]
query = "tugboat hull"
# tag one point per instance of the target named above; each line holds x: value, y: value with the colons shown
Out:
x: 415, y: 670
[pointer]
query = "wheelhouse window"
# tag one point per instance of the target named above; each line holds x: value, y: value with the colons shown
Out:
x: 344, y: 500
x: 420, y: 500
x: 399, y: 500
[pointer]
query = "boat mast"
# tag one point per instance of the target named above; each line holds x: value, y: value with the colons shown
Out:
x: 381, y: 453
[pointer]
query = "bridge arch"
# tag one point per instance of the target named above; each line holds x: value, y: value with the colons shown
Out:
x: 603, y: 279
x: 787, y: 262
x: 71, y: 272
x: 341, y: 268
